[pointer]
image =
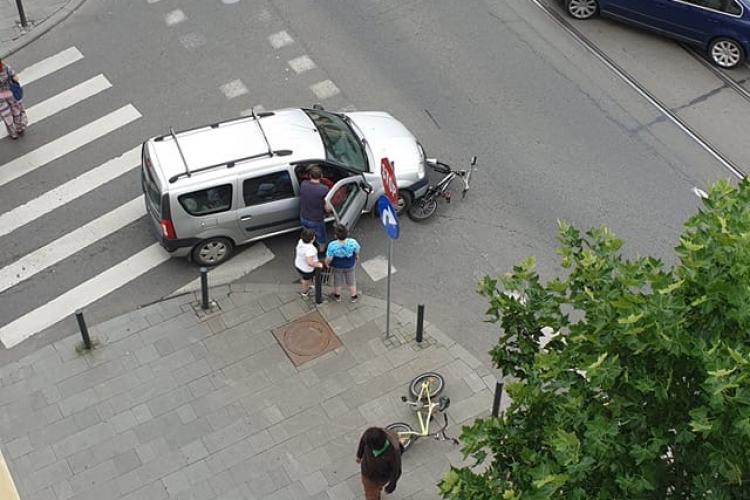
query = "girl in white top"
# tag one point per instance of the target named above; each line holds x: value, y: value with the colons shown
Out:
x: 306, y: 260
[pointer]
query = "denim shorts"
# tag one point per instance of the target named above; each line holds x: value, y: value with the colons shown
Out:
x: 319, y: 228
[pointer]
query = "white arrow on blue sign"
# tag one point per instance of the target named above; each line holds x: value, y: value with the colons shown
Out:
x: 387, y: 217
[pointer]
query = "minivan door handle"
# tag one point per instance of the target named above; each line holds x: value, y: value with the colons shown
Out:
x: 246, y: 217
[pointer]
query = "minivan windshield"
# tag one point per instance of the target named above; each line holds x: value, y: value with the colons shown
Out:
x: 342, y: 145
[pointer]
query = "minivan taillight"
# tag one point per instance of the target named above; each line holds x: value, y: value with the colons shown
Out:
x: 167, y: 229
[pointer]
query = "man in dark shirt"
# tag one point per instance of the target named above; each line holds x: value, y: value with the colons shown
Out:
x: 312, y: 205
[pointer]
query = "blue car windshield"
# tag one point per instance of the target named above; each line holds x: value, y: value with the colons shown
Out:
x: 342, y: 145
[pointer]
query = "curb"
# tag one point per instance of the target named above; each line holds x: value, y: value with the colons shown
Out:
x: 42, y: 28
x: 227, y: 289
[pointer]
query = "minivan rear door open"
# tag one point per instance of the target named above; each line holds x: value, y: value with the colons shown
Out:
x: 348, y: 198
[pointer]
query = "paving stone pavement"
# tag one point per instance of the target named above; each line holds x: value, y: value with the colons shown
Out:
x: 179, y: 404
x: 41, y: 15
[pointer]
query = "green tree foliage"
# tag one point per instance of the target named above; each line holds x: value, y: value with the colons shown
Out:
x: 644, y: 392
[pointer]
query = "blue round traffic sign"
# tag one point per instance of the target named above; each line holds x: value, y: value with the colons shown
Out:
x: 387, y: 217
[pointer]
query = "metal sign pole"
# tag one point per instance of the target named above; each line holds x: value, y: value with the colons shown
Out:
x: 388, y: 292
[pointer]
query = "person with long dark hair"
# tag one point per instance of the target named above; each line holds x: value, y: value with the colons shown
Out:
x: 379, y: 455
x: 12, y: 112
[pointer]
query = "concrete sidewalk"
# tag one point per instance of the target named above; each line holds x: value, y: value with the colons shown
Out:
x: 41, y: 15
x: 174, y: 403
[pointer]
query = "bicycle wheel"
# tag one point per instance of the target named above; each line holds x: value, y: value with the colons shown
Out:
x: 399, y: 427
x: 436, y: 384
x: 422, y: 209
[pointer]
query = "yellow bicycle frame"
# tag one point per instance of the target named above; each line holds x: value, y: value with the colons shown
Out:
x: 424, y: 423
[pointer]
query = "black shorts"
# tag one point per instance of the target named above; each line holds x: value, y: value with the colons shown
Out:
x: 305, y: 276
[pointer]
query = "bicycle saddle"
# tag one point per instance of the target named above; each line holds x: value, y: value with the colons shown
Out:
x: 443, y: 403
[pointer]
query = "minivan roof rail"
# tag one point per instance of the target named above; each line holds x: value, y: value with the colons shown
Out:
x: 268, y: 154
x: 254, y: 115
x: 230, y: 164
x: 268, y: 144
x: 179, y: 150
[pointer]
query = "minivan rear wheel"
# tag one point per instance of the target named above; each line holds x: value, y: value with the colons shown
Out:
x: 582, y: 9
x: 726, y: 53
x: 212, y: 251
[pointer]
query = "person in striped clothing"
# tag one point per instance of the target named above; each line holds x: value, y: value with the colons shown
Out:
x: 11, y: 109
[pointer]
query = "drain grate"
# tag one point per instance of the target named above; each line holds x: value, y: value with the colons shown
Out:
x: 306, y: 338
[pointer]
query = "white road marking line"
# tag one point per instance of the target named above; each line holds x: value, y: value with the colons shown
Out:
x: 74, y: 241
x: 264, y: 16
x: 302, y: 64
x: 31, y: 210
x: 67, y: 143
x: 49, y: 65
x: 233, y: 89
x: 377, y: 267
x: 238, y: 266
x: 84, y: 294
x: 192, y: 40
x: 700, y: 193
x: 65, y: 100
x: 175, y: 17
x: 7, y: 486
x: 324, y: 89
x: 280, y: 39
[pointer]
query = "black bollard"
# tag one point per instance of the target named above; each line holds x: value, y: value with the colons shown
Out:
x: 22, y: 14
x: 498, y: 396
x: 204, y: 288
x: 84, y: 329
x: 420, y: 322
x: 318, y: 286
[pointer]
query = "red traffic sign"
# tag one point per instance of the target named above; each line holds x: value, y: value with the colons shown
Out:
x: 389, y: 181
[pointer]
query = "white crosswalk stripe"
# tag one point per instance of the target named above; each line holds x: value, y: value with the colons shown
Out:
x: 64, y: 100
x: 72, y: 242
x: 67, y: 143
x: 66, y: 304
x: 48, y: 66
x: 36, y: 267
x: 55, y: 198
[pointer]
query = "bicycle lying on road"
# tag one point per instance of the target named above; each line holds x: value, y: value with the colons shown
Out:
x: 424, y: 207
x: 423, y: 389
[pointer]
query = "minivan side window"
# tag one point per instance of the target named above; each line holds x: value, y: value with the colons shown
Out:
x: 266, y: 188
x: 207, y: 201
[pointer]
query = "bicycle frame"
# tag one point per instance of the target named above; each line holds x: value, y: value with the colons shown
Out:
x: 442, y: 186
x: 424, y: 423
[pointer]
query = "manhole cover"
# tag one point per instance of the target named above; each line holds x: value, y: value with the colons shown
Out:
x: 306, y: 338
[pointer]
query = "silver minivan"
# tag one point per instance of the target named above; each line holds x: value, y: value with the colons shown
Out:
x: 214, y: 187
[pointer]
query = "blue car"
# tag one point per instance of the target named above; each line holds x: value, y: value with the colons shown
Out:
x: 720, y: 27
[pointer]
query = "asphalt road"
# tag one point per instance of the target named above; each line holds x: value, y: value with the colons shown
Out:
x: 557, y: 134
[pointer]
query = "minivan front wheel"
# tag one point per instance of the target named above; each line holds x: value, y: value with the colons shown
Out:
x: 403, y: 202
x: 212, y: 251
x: 582, y: 9
x: 726, y: 53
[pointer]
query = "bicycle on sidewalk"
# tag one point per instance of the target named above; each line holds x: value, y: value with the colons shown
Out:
x: 423, y: 390
x: 424, y: 207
